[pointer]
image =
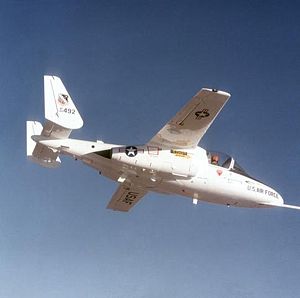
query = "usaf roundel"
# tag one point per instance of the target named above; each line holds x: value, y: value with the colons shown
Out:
x: 131, y: 151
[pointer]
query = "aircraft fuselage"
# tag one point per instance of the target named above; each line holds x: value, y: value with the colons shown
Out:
x: 186, y: 173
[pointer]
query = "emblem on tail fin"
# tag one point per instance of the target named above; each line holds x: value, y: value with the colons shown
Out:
x: 63, y: 99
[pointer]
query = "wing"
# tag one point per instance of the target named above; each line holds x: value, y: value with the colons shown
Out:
x: 189, y: 125
x: 126, y: 197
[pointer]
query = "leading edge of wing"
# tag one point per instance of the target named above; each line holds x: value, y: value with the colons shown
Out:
x: 189, y: 125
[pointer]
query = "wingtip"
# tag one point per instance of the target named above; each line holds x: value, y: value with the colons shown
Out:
x: 217, y: 91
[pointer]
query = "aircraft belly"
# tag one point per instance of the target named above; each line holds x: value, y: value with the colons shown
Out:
x: 227, y: 188
x: 212, y: 191
x: 105, y: 167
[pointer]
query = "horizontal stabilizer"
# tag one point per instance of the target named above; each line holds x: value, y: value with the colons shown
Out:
x: 45, y: 157
x: 39, y: 153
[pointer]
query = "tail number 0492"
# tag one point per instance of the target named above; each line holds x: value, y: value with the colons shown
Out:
x: 67, y: 110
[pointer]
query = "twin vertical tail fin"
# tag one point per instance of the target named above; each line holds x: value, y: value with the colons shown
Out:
x: 61, y: 118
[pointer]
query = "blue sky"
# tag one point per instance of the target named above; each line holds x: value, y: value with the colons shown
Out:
x: 130, y: 66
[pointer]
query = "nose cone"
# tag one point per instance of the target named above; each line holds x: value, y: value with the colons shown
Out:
x: 274, y: 196
x: 280, y: 199
x: 270, y: 195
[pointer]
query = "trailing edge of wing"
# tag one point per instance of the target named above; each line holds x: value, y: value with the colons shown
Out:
x: 189, y: 125
x: 126, y: 197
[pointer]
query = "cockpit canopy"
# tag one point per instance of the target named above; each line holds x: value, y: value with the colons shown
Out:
x: 225, y: 161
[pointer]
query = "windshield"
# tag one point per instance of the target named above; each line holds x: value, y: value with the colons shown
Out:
x: 219, y: 159
x: 225, y: 161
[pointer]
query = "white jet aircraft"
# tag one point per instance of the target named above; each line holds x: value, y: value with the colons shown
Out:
x: 170, y: 163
